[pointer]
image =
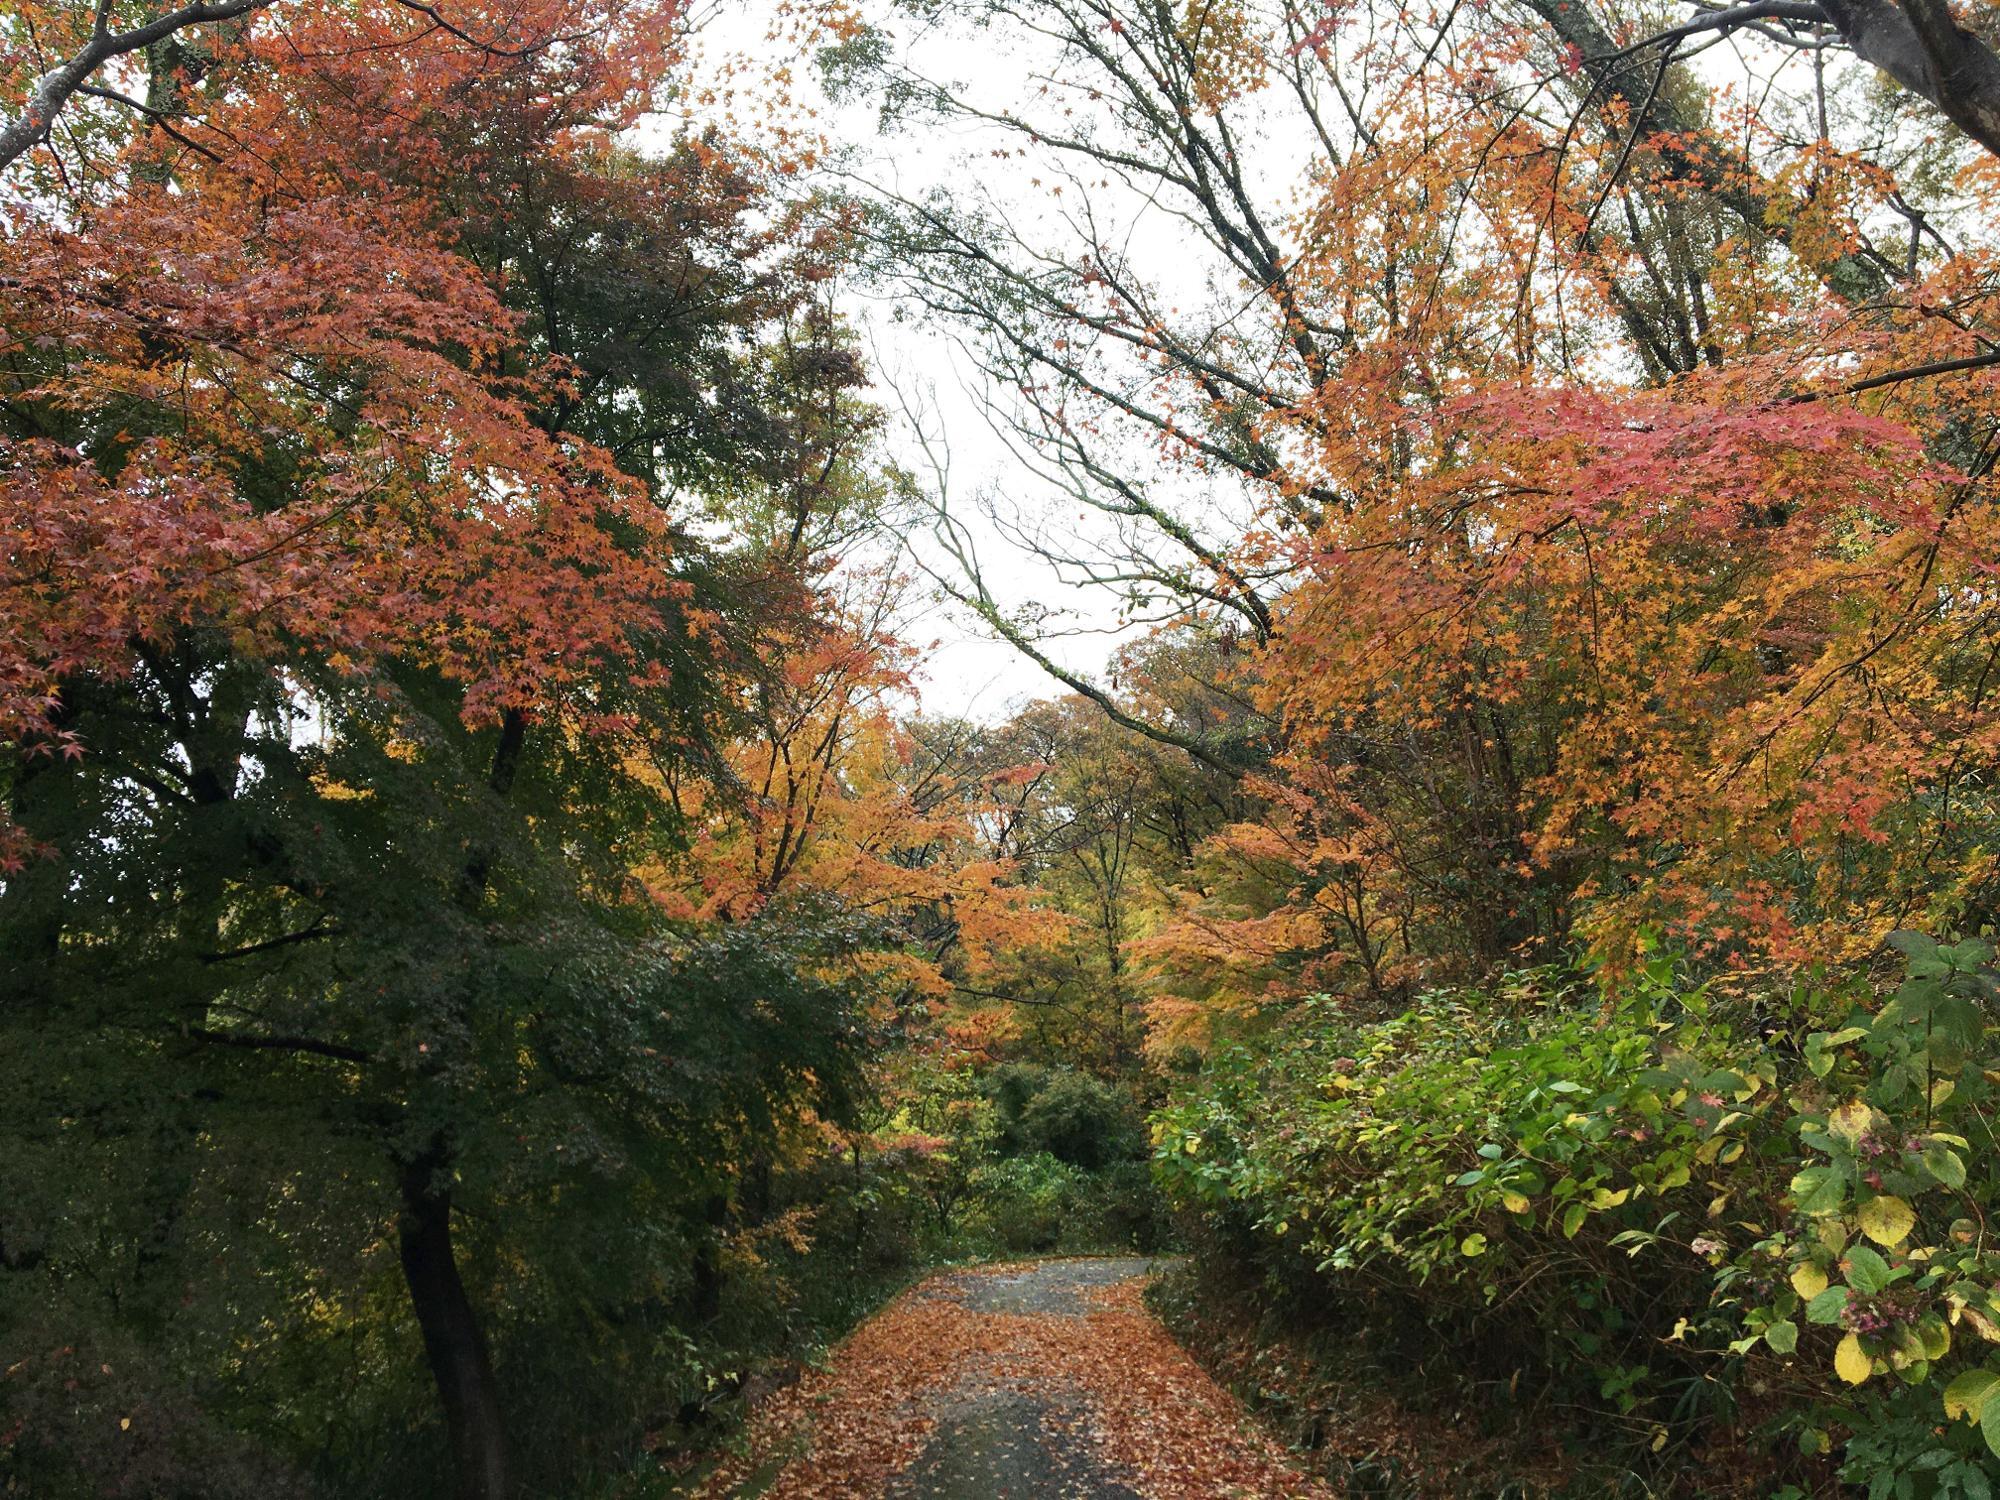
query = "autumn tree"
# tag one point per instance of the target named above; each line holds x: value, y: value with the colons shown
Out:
x: 362, y: 388
x: 1416, y: 233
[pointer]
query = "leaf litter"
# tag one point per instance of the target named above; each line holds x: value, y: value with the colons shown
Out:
x: 1045, y: 1379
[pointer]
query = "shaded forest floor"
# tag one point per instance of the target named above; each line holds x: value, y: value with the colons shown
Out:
x: 1047, y: 1379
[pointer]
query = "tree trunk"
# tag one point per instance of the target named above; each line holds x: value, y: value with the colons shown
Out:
x: 705, y: 1296
x: 452, y: 1338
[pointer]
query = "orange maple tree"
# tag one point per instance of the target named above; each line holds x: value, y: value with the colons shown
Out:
x: 1618, y: 560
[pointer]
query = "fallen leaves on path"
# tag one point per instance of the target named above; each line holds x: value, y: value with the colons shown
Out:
x: 1121, y: 1398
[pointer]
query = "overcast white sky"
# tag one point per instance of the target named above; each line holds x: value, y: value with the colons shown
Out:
x: 916, y: 363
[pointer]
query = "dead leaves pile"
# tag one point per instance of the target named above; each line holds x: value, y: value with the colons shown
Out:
x: 1114, y: 1381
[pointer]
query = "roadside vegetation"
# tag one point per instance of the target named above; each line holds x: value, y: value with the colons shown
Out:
x: 501, y: 967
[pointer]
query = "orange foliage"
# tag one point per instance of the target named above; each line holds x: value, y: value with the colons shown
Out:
x: 353, y: 470
x: 1572, y: 649
x: 823, y: 793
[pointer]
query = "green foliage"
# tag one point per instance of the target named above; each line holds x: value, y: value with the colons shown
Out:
x: 1070, y: 1115
x: 1669, y: 1198
x: 1022, y: 1201
x: 1017, y: 1159
x: 1899, y: 1451
x: 209, y: 1241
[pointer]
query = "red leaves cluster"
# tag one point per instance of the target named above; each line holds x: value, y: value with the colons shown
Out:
x: 421, y: 512
x: 284, y: 406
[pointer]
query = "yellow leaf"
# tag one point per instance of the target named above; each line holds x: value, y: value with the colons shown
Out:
x: 1887, y: 1220
x: 1908, y: 1351
x: 1851, y: 1121
x: 1514, y: 1203
x: 1808, y: 1281
x: 1983, y: 1325
x: 1850, y: 1364
x: 1936, y: 1335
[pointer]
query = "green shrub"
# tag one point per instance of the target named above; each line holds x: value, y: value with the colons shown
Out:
x: 1023, y: 1201
x: 1070, y: 1115
x: 1680, y: 1208
x: 1119, y: 1208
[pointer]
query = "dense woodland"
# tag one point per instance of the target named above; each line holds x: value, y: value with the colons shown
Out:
x: 498, y: 961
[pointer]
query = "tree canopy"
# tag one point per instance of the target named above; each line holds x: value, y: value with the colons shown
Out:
x: 494, y: 943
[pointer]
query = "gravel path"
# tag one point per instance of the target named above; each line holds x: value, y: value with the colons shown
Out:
x: 1001, y: 1444
x: 1039, y: 1381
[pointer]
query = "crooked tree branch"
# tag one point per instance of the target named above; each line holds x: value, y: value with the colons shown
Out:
x: 153, y: 117
x: 1918, y: 43
x: 982, y: 603
x: 1803, y: 12
x: 310, y: 1045
x: 59, y: 84
x: 312, y: 934
x: 72, y: 76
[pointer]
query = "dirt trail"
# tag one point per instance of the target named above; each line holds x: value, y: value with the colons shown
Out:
x: 1047, y: 1380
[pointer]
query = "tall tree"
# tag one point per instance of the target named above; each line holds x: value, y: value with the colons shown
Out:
x: 354, y: 379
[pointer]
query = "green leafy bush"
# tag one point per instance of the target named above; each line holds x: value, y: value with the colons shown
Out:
x: 1684, y: 1208
x: 1016, y: 1159
x: 1023, y: 1201
x: 1069, y: 1114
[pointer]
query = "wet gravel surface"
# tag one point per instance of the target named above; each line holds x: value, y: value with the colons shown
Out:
x: 1058, y: 1288
x: 1047, y: 1380
x: 999, y: 1444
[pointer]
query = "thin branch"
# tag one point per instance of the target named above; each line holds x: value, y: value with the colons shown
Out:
x: 312, y: 934
x: 1634, y: 128
x: 153, y: 116
x: 950, y: 535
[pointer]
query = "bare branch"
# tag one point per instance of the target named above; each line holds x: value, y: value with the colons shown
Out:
x: 951, y: 537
